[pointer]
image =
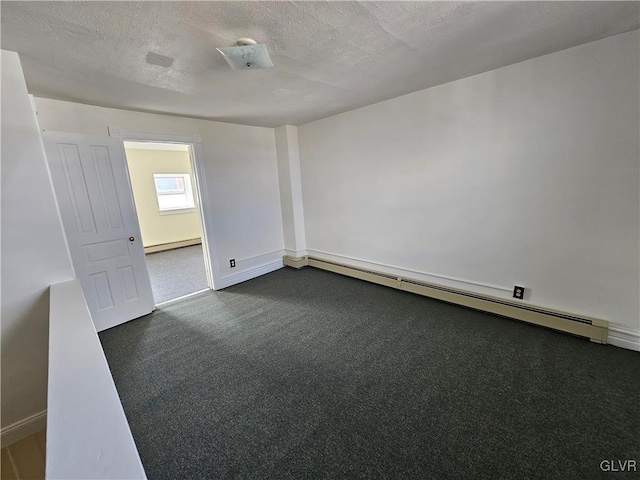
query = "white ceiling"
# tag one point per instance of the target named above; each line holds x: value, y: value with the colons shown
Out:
x: 329, y: 57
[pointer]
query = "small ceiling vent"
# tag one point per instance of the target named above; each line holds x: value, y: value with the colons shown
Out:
x: 247, y: 55
x: 160, y: 60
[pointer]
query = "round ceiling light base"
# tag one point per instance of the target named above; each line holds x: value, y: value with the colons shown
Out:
x: 243, y: 42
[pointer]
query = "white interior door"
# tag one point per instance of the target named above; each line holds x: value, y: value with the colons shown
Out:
x: 92, y: 187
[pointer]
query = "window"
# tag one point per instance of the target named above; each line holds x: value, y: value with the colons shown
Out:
x: 173, y: 191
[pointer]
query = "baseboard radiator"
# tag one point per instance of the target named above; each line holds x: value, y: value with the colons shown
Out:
x: 592, y: 328
x: 172, y: 245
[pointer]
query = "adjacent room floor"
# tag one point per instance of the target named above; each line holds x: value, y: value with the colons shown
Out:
x: 176, y: 272
x: 308, y: 374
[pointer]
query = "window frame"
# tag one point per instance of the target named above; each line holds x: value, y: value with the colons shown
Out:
x: 187, y: 192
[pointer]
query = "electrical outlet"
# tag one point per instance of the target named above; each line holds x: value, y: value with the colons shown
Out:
x: 518, y: 292
x: 232, y: 262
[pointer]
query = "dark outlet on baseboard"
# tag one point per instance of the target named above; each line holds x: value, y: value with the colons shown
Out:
x: 232, y: 262
x: 518, y: 292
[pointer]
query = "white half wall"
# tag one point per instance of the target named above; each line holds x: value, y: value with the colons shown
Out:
x: 88, y: 436
x: 241, y: 174
x: 34, y: 255
x: 526, y: 175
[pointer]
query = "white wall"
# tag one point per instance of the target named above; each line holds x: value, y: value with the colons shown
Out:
x: 159, y: 228
x: 240, y: 172
x: 34, y: 255
x: 288, y: 155
x: 524, y: 175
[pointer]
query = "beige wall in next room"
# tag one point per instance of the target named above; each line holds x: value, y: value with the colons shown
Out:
x: 157, y: 228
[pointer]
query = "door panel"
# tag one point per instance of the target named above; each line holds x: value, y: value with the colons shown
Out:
x: 106, y: 250
x: 102, y: 290
x: 92, y: 188
x: 107, y: 185
x: 129, y: 285
x: 77, y: 188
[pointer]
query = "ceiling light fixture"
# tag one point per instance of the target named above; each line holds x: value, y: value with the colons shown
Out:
x: 247, y: 55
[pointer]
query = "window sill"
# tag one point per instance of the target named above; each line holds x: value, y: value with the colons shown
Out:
x: 176, y: 211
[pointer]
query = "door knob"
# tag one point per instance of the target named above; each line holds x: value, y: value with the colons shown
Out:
x: 131, y: 239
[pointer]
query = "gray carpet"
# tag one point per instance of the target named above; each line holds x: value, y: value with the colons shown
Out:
x: 311, y: 375
x: 176, y: 272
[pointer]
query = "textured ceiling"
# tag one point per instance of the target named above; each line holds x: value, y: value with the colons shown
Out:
x: 329, y: 57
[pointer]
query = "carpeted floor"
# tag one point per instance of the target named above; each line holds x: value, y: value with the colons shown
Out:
x: 311, y: 375
x: 176, y: 272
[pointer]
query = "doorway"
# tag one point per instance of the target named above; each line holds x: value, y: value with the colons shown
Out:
x: 167, y: 204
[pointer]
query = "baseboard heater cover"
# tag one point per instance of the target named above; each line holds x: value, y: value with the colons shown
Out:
x: 172, y: 245
x: 592, y: 328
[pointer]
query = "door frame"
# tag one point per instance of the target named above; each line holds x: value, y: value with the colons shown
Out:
x: 199, y: 187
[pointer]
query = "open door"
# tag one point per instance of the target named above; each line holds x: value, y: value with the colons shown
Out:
x: 92, y: 188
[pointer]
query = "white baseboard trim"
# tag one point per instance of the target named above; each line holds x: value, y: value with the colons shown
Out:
x: 23, y: 428
x: 260, y: 255
x: 624, y: 338
x: 249, y: 274
x: 295, y: 253
x: 172, y: 245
